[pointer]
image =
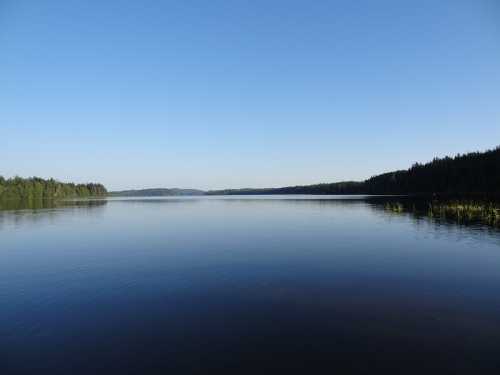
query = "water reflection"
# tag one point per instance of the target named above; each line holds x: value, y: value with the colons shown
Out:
x: 18, y: 212
x: 392, y: 209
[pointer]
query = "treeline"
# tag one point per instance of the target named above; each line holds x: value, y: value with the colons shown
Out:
x: 472, y: 173
x: 476, y: 172
x: 36, y: 188
x: 347, y: 187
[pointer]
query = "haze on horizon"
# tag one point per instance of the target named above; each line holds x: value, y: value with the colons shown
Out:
x: 229, y: 94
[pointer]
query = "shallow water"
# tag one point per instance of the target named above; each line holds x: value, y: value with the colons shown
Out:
x: 245, y: 284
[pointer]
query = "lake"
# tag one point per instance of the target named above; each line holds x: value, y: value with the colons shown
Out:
x: 250, y: 284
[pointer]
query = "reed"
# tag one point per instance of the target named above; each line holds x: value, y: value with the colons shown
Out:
x: 459, y: 211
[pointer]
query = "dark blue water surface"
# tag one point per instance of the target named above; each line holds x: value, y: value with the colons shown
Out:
x: 245, y: 285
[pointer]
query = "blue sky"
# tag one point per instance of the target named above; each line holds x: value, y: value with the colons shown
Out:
x: 214, y: 94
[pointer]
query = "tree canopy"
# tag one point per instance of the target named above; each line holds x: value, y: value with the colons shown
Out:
x: 35, y: 188
x: 476, y: 172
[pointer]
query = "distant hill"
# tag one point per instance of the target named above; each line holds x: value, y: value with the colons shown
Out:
x: 158, y: 192
x: 348, y: 187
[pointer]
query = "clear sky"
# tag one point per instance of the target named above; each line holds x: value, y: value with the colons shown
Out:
x: 260, y: 93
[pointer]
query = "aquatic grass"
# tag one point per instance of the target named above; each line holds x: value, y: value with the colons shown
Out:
x: 394, y: 207
x: 464, y: 212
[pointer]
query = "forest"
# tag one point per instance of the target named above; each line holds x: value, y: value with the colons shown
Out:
x: 476, y: 172
x: 36, y: 188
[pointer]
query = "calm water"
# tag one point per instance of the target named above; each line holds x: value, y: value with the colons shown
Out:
x: 245, y: 285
